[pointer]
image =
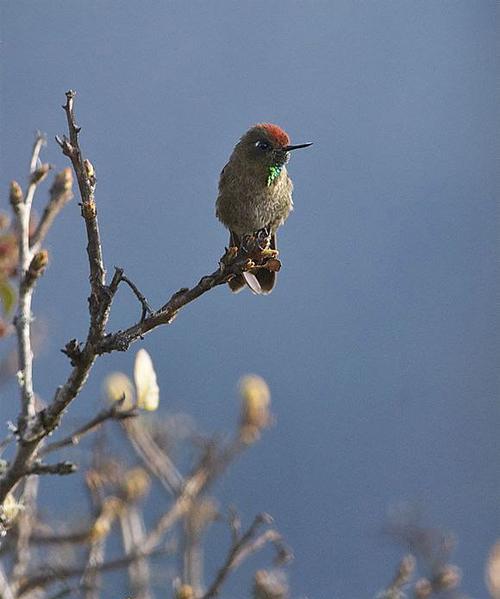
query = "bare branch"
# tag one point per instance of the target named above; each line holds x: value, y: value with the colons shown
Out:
x: 146, y: 309
x: 37, y: 147
x: 99, y: 300
x: 48, y: 575
x: 61, y: 468
x: 204, y: 475
x: 133, y: 534
x: 240, y: 550
x: 67, y: 590
x: 269, y: 536
x: 81, y: 536
x: 166, y: 522
x: 60, y: 194
x: 270, y: 584
x: 6, y: 591
x: 153, y: 457
x: 193, y: 562
x: 25, y: 523
x: 114, y: 412
x: 105, y: 512
x: 401, y: 578
x: 231, y: 264
x: 22, y: 210
x: 196, y: 523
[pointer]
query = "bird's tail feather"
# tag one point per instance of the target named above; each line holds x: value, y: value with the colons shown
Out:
x: 261, y: 281
x: 237, y: 283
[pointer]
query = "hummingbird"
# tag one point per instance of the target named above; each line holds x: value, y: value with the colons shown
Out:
x: 255, y: 196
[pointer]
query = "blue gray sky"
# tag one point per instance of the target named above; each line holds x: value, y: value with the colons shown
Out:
x: 380, y: 342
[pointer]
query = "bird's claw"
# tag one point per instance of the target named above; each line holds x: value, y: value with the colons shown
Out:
x: 257, y: 242
x: 263, y: 238
x: 273, y: 265
x: 269, y: 253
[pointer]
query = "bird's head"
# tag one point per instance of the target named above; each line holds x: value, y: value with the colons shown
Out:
x: 268, y: 145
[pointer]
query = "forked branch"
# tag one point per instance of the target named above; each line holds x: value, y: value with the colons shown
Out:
x: 234, y: 262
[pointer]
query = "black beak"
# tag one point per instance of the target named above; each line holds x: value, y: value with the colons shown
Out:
x: 296, y: 147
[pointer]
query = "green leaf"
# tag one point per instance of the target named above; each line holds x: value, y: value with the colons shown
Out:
x: 7, y: 296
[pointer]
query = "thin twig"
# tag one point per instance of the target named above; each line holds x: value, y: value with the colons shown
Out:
x: 193, y: 562
x: 203, y: 476
x: 74, y: 591
x: 81, y: 536
x: 166, y: 522
x: 6, y: 591
x: 240, y: 551
x: 48, y: 575
x: 153, y: 457
x: 86, y: 182
x: 401, y: 578
x: 230, y: 264
x: 39, y: 142
x: 269, y: 536
x: 26, y: 521
x: 201, y: 515
x: 22, y: 210
x: 114, y: 412
x: 192, y: 487
x: 146, y: 308
x: 133, y: 534
x: 60, y: 194
x: 61, y: 468
x: 91, y: 573
x: 234, y: 521
x: 105, y: 512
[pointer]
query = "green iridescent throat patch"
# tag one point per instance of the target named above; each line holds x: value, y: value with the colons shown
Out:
x: 274, y: 172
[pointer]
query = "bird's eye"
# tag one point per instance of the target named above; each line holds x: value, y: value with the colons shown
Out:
x: 262, y: 145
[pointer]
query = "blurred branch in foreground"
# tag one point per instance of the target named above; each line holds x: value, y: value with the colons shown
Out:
x: 430, y: 558
x: 120, y: 501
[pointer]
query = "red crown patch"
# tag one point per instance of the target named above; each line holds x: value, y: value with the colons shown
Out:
x: 277, y: 133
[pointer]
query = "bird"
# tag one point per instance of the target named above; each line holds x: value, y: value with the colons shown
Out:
x: 255, y: 196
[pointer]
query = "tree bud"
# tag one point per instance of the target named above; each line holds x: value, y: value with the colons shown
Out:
x: 63, y: 182
x: 423, y: 589
x: 136, y: 483
x: 16, y: 193
x: 255, y: 414
x: 89, y: 169
x: 185, y: 591
x: 39, y: 262
x: 493, y: 571
x: 118, y: 386
x: 448, y: 578
x: 270, y: 585
x: 40, y: 173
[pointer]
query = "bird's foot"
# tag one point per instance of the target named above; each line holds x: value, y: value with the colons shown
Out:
x: 248, y: 244
x: 257, y: 242
x: 269, y: 253
x: 263, y: 238
x: 231, y: 251
x: 273, y: 264
x: 228, y: 257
